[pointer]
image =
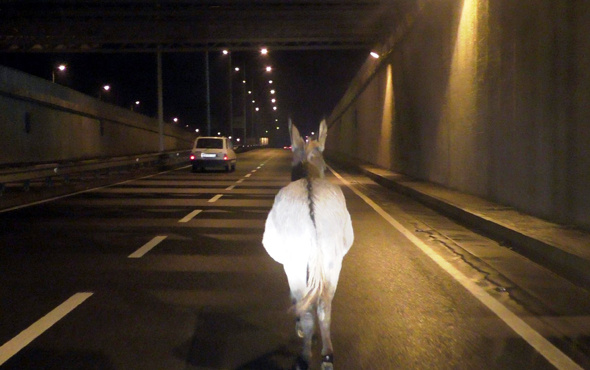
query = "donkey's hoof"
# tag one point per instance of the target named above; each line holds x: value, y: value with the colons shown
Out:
x: 327, y: 366
x: 328, y: 362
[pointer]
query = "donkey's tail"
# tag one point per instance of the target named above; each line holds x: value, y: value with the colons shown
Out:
x: 316, y: 284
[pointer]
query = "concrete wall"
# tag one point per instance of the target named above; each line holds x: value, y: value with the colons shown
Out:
x: 45, y: 122
x: 489, y: 97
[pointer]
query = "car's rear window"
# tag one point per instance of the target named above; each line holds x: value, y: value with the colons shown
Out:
x: 210, y: 143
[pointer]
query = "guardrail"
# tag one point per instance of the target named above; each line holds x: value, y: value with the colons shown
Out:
x: 50, y: 171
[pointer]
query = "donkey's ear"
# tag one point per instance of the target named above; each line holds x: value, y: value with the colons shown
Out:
x: 322, y: 135
x: 297, y: 142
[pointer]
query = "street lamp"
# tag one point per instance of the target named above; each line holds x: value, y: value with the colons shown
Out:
x: 61, y: 68
x: 231, y: 110
x: 105, y: 89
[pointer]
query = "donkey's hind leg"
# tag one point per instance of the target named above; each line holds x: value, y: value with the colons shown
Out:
x: 307, y: 326
x: 324, y: 317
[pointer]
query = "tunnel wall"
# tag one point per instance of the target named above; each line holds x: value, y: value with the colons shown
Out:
x: 488, y: 97
x: 45, y: 122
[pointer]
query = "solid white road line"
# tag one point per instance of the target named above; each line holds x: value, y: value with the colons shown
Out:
x: 190, y: 216
x: 84, y: 191
x: 19, y: 342
x: 147, y: 247
x: 215, y: 198
x: 559, y: 359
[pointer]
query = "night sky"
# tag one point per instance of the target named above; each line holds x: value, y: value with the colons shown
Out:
x: 308, y: 84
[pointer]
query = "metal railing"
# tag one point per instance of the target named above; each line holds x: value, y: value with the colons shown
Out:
x: 49, y: 172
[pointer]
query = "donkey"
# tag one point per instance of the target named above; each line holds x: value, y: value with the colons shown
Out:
x: 308, y: 231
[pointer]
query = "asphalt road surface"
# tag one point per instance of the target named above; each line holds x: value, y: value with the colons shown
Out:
x: 168, y: 272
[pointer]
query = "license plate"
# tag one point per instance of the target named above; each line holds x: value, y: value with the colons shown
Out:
x: 208, y: 155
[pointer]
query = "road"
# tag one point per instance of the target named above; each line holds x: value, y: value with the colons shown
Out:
x: 168, y: 272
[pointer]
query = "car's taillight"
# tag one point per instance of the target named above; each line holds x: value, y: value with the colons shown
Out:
x: 192, y: 157
x: 225, y: 157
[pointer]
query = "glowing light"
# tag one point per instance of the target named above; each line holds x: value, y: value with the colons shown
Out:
x: 225, y: 52
x: 374, y: 55
x: 106, y: 87
x: 268, y: 68
x: 264, y: 51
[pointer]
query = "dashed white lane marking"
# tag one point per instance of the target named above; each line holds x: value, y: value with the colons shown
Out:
x: 254, y: 170
x: 230, y: 187
x: 190, y: 216
x: 559, y: 359
x: 147, y: 247
x: 19, y: 342
x: 215, y: 198
x: 240, y: 181
x: 248, y: 175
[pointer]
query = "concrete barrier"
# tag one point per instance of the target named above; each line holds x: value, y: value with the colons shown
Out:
x: 482, y: 97
x: 43, y: 122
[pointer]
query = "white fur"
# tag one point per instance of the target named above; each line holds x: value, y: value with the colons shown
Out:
x: 290, y: 237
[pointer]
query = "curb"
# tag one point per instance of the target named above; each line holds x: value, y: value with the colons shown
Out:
x: 561, y: 249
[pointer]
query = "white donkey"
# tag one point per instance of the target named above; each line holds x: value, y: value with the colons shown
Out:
x: 309, y: 231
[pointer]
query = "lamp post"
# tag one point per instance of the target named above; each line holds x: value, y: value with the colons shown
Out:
x: 208, y: 93
x: 231, y: 103
x: 61, y: 68
x: 105, y: 89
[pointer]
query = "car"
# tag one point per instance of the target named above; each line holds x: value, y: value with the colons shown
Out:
x: 213, y: 151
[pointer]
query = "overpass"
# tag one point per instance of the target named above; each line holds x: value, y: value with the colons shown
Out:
x: 484, y: 97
